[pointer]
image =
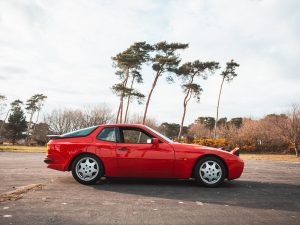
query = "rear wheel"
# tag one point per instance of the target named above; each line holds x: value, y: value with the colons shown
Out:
x: 87, y: 169
x: 210, y: 171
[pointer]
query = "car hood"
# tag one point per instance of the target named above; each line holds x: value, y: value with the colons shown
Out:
x: 196, y: 148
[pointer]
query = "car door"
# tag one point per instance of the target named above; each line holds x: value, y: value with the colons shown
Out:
x: 105, y: 149
x: 138, y: 157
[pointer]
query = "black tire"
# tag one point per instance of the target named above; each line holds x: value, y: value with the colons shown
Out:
x: 215, y: 174
x: 91, y: 162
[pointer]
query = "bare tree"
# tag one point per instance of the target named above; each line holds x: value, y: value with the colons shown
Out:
x: 199, y: 130
x: 294, y: 116
x: 40, y: 134
x: 263, y: 135
x: 2, y: 103
x: 59, y: 121
x: 2, y: 107
x: 138, y: 119
x: 97, y: 115
x: 63, y: 121
x: 290, y: 128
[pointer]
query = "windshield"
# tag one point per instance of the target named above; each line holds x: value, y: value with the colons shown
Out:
x: 79, y: 133
x: 160, y: 135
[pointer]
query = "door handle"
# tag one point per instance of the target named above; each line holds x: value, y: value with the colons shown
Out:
x: 123, y: 149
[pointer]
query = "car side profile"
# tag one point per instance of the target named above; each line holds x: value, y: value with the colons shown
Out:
x: 134, y: 150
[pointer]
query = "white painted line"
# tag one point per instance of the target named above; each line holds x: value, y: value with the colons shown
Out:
x: 7, y: 216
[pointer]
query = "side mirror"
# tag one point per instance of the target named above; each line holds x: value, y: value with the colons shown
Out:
x: 155, y: 141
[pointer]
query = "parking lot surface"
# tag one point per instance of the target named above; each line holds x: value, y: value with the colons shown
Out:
x: 267, y: 193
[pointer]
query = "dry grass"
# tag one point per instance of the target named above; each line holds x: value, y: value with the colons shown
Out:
x: 16, y: 148
x: 18, y: 193
x: 273, y: 157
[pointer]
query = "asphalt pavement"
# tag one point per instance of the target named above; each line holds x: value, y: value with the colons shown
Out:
x: 267, y: 193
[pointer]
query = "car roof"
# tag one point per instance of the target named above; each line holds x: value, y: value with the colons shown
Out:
x: 123, y: 125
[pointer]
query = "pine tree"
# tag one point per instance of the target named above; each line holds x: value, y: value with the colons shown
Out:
x: 16, y: 122
x: 166, y: 60
x: 126, y: 63
x: 33, y: 105
x: 189, y: 73
x: 227, y: 75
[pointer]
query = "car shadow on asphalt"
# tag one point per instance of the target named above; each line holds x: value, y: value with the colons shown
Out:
x: 243, y: 193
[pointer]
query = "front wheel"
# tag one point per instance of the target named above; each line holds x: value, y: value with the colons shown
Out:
x: 87, y: 169
x: 210, y: 171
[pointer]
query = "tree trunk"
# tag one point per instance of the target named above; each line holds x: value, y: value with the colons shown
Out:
x: 120, y: 110
x: 296, y: 149
x: 128, y: 101
x: 149, y: 96
x: 185, y: 101
x: 2, y: 125
x: 37, y: 119
x: 29, y: 126
x: 118, y: 114
x: 182, y: 121
x: 217, y: 117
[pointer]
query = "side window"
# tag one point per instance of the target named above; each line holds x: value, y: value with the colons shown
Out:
x: 107, y: 134
x: 135, y: 136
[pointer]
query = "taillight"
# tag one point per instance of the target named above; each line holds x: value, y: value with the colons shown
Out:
x: 48, y: 148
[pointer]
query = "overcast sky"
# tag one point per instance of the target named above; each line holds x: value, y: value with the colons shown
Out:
x: 63, y: 49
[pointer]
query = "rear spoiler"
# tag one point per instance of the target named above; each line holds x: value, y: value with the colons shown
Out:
x: 235, y: 151
x: 53, y: 137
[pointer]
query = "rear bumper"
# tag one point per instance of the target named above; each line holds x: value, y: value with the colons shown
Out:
x: 48, y: 161
x: 54, y: 164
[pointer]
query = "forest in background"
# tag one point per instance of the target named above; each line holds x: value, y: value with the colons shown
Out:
x: 275, y: 133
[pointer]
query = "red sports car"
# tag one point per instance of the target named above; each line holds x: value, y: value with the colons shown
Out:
x: 133, y: 150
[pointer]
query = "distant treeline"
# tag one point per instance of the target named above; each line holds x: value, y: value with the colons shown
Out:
x: 278, y: 133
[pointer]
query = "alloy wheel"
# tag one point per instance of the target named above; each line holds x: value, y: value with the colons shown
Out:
x: 210, y: 172
x: 87, y: 168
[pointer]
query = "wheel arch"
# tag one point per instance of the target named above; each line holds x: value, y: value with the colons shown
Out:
x: 84, y: 153
x: 205, y: 156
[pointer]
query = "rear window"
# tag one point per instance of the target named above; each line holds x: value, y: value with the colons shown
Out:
x: 79, y: 133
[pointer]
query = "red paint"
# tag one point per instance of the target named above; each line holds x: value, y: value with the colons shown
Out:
x: 156, y: 160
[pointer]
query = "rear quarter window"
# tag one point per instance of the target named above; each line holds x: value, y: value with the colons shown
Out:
x: 79, y: 133
x: 107, y: 134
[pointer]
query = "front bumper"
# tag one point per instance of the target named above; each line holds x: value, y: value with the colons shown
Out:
x: 236, y: 169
